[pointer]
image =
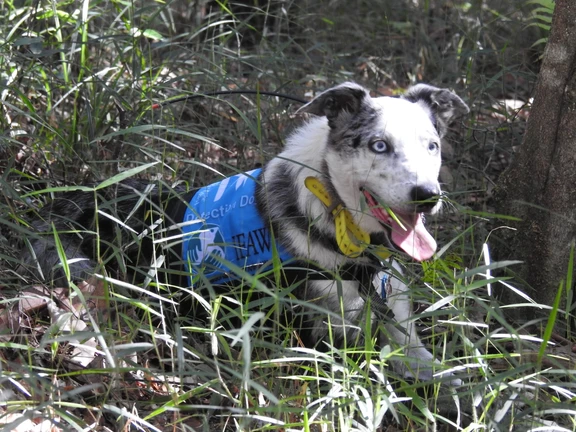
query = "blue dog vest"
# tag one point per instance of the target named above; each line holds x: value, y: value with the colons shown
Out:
x: 222, y: 226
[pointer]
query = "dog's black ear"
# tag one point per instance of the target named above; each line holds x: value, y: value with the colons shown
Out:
x: 444, y: 105
x: 345, y: 98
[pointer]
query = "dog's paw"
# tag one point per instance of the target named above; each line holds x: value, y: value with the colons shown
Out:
x: 422, y: 366
x: 452, y: 381
x: 427, y: 374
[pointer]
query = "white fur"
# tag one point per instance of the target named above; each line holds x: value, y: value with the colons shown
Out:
x: 405, y: 125
x: 413, y: 165
x: 399, y: 302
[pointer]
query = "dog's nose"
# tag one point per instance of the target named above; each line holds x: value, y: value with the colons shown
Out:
x: 425, y: 197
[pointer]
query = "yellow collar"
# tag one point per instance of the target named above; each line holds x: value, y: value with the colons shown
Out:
x: 345, y: 224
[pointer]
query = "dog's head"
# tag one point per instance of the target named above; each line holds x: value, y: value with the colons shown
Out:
x: 385, y: 152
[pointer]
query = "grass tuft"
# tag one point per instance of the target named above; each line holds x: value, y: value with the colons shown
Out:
x: 78, y: 81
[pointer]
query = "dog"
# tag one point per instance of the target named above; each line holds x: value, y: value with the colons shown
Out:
x: 350, y: 190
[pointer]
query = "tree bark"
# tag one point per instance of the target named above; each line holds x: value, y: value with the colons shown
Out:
x: 540, y: 185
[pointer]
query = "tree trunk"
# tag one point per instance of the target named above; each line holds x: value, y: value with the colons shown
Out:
x: 540, y: 185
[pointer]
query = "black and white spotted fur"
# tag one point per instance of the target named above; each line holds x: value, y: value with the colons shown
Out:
x: 390, y: 146
x: 355, y: 145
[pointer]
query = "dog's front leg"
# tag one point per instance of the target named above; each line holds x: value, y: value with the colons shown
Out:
x: 343, y: 308
x: 403, y: 331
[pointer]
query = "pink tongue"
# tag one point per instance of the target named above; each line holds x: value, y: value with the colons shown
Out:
x: 411, y: 237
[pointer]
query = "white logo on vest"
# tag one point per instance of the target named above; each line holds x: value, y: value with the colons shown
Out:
x: 223, y: 227
x: 205, y: 245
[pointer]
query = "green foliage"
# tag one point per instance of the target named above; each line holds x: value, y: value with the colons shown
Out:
x: 542, y: 17
x: 77, y: 82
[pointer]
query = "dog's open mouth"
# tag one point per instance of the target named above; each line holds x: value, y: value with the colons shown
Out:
x: 407, y: 230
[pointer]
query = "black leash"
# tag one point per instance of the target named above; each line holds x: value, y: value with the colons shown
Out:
x: 228, y: 92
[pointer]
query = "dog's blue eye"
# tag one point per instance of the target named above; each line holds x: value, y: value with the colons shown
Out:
x: 380, y: 146
x: 433, y: 147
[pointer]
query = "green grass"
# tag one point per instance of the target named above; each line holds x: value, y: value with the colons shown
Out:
x: 77, y: 82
